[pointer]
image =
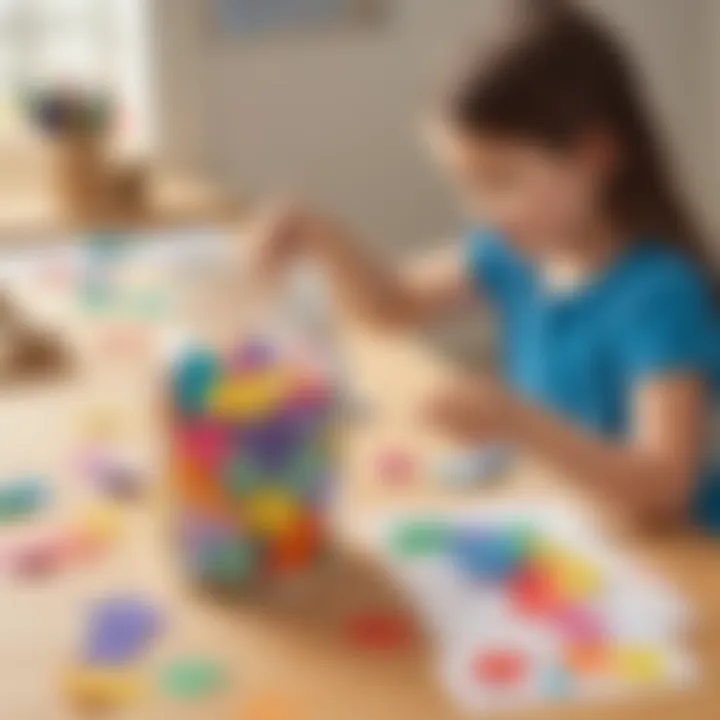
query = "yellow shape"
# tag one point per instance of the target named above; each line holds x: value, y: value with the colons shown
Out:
x: 250, y: 397
x: 100, y: 523
x: 639, y: 663
x: 104, y: 688
x: 575, y: 577
x: 270, y: 511
x: 578, y: 579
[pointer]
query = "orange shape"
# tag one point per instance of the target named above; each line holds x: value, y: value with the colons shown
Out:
x: 591, y: 658
x: 195, y: 487
x: 297, y: 546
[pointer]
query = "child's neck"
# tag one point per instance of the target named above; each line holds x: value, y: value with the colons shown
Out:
x: 576, y: 263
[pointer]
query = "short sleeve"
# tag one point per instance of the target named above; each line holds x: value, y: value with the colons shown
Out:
x: 668, y: 326
x: 494, y: 270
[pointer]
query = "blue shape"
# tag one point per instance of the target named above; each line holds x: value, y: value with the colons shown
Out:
x: 120, y: 629
x: 555, y: 683
x: 484, y: 555
x: 192, y: 377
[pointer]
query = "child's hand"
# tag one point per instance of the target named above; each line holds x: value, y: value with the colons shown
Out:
x: 473, y: 410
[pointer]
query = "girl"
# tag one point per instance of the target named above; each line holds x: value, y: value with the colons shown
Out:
x: 607, y: 314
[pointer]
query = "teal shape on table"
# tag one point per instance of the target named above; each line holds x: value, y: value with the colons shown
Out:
x: 193, y: 678
x: 23, y: 498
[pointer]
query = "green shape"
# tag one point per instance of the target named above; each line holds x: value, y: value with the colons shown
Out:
x: 231, y: 561
x: 523, y: 540
x: 192, y: 678
x: 241, y: 477
x: 307, y: 469
x: 420, y: 538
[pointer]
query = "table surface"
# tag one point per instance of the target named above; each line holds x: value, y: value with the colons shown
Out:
x: 299, y: 654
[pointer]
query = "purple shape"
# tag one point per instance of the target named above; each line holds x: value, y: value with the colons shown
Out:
x: 119, y: 629
x: 272, y: 445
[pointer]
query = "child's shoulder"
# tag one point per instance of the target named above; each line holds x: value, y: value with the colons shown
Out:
x: 658, y: 273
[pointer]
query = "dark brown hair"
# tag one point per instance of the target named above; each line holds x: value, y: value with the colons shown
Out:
x: 560, y: 72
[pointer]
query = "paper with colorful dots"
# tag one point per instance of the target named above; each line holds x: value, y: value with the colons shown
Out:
x: 530, y: 605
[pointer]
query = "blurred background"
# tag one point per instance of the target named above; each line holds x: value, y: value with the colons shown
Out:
x: 319, y: 97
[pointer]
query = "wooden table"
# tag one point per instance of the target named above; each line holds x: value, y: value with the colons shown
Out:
x: 300, y: 655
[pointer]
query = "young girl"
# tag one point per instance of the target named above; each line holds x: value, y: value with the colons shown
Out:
x: 607, y: 312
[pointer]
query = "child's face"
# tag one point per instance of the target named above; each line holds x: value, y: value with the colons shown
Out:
x: 541, y: 199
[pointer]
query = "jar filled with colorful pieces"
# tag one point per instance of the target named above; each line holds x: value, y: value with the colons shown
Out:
x: 252, y: 441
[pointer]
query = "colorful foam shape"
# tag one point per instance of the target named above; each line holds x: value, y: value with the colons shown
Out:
x: 587, y: 658
x: 533, y: 593
x: 119, y: 630
x: 294, y: 548
x: 638, y: 664
x: 272, y: 445
x: 251, y: 397
x: 484, y: 555
x: 579, y: 624
x: 192, y: 678
x: 500, y: 667
x: 192, y: 378
x: 395, y: 466
x: 420, y: 538
x: 23, y: 497
x: 207, y: 443
x: 103, y: 689
x: 271, y: 511
x: 307, y: 466
x: 240, y: 477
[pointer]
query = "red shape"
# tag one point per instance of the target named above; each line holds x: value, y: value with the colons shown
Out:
x: 499, y: 667
x: 378, y: 631
x: 533, y: 594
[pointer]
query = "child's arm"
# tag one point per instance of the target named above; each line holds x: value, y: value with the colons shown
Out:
x: 366, y: 286
x: 651, y: 474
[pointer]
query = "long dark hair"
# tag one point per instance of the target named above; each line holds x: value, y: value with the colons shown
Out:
x: 559, y: 71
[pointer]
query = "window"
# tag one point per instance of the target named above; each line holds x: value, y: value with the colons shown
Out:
x: 87, y: 43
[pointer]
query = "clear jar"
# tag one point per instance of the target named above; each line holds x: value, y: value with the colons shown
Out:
x: 252, y: 448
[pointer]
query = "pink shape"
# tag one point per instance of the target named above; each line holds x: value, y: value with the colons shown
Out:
x: 579, y: 623
x: 395, y: 466
x: 206, y: 442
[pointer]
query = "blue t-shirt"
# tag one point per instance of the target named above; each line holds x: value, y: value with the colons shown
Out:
x: 581, y: 353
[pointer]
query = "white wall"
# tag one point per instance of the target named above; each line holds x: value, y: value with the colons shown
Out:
x: 333, y: 114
